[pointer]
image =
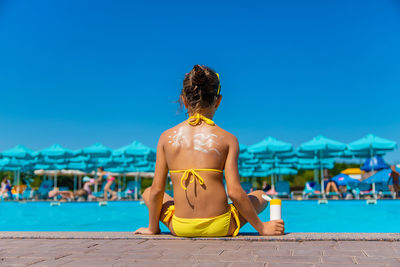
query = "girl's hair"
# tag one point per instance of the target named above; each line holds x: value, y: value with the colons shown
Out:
x: 101, y: 168
x: 200, y: 88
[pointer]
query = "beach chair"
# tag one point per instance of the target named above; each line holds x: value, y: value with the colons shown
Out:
x: 352, y: 187
x: 283, y: 189
x: 100, y: 194
x: 382, y: 189
x: 44, y: 189
x: 28, y: 193
x: 312, y: 190
x: 129, y: 191
x: 365, y: 190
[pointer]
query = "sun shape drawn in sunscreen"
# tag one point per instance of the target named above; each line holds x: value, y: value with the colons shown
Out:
x: 178, y: 138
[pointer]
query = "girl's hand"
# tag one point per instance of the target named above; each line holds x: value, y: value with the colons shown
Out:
x: 275, y: 227
x: 145, y: 231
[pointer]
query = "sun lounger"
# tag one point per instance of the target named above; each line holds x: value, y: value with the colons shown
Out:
x: 129, y: 191
x: 365, y: 190
x: 44, y: 189
x: 28, y: 193
x: 312, y: 190
x: 382, y: 189
x: 283, y: 189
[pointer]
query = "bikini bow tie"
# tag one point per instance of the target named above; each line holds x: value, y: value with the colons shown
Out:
x: 196, y: 119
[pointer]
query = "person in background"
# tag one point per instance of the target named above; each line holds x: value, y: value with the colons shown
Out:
x: 86, y: 191
x: 61, y: 195
x: 5, y: 190
x: 394, y: 176
x: 101, y: 174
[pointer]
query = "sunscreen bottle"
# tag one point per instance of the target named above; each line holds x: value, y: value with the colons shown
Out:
x: 275, y: 209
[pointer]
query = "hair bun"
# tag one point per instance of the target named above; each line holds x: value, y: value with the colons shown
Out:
x: 199, y: 76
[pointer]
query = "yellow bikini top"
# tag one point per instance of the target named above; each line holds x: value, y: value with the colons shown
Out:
x: 195, y: 120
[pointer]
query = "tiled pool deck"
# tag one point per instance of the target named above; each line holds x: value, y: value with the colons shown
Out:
x: 125, y: 249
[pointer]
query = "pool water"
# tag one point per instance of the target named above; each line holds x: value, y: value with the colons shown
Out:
x: 299, y: 216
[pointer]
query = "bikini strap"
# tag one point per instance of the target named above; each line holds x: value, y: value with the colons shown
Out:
x: 197, y: 118
x: 169, y: 213
x: 194, y: 174
x: 235, y: 215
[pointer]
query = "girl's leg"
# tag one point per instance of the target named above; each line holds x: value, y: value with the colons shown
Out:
x: 114, y: 195
x: 259, y: 205
x: 106, y: 190
x: 167, y: 202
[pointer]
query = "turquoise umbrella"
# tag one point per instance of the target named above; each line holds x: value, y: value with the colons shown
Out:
x: 282, y: 171
x: 53, y: 158
x: 80, y: 159
x: 96, y: 151
x: 18, y: 152
x: 319, y: 148
x: 242, y: 148
x: 56, y: 151
x: 380, y: 177
x: 135, y: 149
x: 270, y: 148
x: 372, y: 145
x: 270, y: 145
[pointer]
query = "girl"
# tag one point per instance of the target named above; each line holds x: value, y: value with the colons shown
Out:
x: 110, y: 180
x: 195, y: 153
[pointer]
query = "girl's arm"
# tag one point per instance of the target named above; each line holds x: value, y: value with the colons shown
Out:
x: 240, y: 198
x: 157, y: 191
x: 235, y: 190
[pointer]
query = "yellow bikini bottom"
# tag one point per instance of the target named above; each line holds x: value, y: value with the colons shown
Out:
x: 203, y: 227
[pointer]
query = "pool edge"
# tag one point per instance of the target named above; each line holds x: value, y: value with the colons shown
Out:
x: 295, y: 237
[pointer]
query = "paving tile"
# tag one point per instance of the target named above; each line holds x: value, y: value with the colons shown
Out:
x: 338, y: 259
x: 334, y: 252
x: 380, y: 252
x: 20, y: 261
x: 369, y: 245
x: 90, y: 263
x: 226, y: 258
x: 273, y: 252
x: 290, y: 265
x: 291, y: 259
x: 261, y: 245
x: 208, y: 251
x: 59, y: 262
x: 247, y: 264
x: 307, y: 252
x: 377, y: 260
x: 320, y: 244
x: 348, y: 265
x: 151, y: 256
x: 213, y: 264
x: 154, y: 264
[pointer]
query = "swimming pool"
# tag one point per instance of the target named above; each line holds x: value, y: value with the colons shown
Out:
x: 299, y: 216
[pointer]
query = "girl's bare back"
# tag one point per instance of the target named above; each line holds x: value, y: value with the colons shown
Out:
x: 197, y: 147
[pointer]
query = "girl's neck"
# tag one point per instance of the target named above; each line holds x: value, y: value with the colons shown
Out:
x: 208, y: 114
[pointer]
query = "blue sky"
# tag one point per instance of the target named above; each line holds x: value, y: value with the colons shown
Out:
x: 78, y: 72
